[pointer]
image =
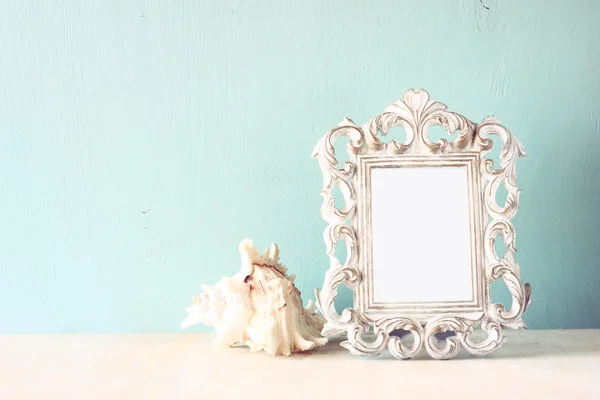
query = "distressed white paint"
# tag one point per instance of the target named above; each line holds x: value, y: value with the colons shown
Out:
x: 350, y: 225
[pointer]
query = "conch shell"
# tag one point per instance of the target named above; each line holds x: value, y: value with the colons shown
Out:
x: 259, y: 306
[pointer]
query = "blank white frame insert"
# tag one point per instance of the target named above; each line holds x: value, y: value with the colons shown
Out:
x: 421, y: 235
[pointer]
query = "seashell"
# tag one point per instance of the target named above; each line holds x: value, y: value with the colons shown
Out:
x: 259, y: 306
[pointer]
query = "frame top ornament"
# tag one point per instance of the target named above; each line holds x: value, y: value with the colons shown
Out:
x: 350, y: 223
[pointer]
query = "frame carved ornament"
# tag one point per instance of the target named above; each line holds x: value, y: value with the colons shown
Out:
x: 416, y: 112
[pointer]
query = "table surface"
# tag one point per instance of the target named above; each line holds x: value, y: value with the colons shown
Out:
x: 537, y: 364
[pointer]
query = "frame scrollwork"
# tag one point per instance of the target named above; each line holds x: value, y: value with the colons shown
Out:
x: 416, y: 113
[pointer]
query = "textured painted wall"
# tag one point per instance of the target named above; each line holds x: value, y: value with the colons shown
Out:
x: 141, y: 141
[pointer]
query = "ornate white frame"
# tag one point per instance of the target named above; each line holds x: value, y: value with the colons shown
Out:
x: 416, y: 113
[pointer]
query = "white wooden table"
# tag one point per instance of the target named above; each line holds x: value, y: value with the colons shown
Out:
x: 532, y: 364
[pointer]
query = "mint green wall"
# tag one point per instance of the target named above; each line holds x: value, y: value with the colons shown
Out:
x: 141, y: 141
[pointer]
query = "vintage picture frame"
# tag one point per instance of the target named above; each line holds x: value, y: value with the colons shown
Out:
x: 372, y: 327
